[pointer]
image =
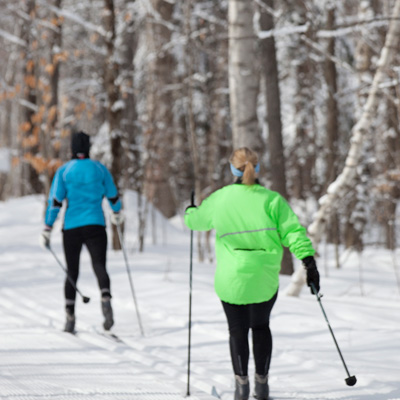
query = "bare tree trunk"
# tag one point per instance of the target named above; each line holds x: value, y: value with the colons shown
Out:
x: 348, y: 174
x: 191, y: 122
x: 389, y: 179
x: 332, y: 126
x: 131, y: 174
x: 159, y: 133
x: 273, y: 103
x: 302, y: 157
x: 189, y: 93
x: 29, y: 128
x: 119, y: 56
x: 51, y: 102
x: 332, y: 129
x: 114, y: 108
x: 6, y: 135
x: 393, y: 163
x: 243, y: 75
x: 354, y: 203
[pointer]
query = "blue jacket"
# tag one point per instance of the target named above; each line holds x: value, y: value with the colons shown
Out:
x: 84, y: 184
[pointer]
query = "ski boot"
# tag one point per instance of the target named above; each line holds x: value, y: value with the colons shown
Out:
x: 107, y: 312
x: 70, y: 322
x: 242, y: 387
x: 261, y: 389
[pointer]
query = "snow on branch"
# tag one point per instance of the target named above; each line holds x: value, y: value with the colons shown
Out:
x: 12, y: 38
x: 74, y: 18
x: 335, y: 33
x: 324, y: 34
x: 29, y: 105
x: 288, y: 30
x: 269, y: 10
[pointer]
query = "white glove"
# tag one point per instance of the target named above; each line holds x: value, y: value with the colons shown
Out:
x: 44, y: 238
x: 117, y: 218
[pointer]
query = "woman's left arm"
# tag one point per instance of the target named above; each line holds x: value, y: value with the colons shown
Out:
x: 293, y: 234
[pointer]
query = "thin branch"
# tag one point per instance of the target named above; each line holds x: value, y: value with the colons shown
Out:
x: 332, y: 58
x: 74, y: 18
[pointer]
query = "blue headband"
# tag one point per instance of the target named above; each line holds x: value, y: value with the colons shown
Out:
x: 239, y: 173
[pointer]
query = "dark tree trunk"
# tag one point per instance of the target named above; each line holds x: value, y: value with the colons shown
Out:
x: 29, y: 127
x: 273, y: 103
x: 159, y: 134
x: 332, y: 128
x: 49, y: 152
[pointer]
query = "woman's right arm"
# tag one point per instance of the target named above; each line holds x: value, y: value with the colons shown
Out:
x: 56, y: 196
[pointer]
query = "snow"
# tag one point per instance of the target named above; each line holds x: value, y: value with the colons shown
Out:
x: 5, y: 159
x: 118, y: 105
x: 39, y: 361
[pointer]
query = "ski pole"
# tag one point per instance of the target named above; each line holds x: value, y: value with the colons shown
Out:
x: 190, y: 304
x: 84, y: 298
x: 130, y: 279
x: 350, y: 380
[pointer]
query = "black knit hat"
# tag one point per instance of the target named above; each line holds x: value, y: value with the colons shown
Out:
x: 80, y: 145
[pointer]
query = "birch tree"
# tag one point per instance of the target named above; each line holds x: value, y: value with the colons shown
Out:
x: 359, y: 132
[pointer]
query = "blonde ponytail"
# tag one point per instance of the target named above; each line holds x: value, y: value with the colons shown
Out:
x: 245, y: 160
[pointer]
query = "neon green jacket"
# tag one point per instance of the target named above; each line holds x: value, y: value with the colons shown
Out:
x: 252, y: 224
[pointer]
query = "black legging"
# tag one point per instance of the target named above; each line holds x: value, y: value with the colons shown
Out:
x: 95, y: 239
x: 240, y: 319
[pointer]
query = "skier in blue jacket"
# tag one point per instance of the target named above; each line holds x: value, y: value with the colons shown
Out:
x: 83, y: 183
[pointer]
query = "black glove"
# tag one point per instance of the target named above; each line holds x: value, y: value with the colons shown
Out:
x: 312, y: 273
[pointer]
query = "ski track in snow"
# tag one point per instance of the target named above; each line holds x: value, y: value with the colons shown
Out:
x: 39, y: 361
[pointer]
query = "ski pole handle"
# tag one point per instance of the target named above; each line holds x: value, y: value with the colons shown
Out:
x: 192, y: 199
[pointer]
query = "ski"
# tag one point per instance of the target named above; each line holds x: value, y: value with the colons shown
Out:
x: 215, y: 393
x: 110, y: 335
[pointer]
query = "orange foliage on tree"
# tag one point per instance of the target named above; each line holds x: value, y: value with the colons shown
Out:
x: 30, y: 81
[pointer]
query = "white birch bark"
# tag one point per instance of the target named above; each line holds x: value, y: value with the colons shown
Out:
x: 243, y: 75
x: 359, y: 131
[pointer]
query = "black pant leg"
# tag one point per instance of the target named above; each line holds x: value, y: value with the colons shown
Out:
x: 95, y: 238
x: 238, y: 318
x: 262, y: 338
x: 72, y: 241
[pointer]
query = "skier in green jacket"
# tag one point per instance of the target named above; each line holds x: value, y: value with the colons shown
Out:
x: 252, y: 225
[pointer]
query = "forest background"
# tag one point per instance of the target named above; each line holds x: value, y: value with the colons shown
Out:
x: 168, y: 88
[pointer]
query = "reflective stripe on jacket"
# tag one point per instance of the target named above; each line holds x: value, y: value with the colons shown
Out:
x: 252, y: 224
x: 83, y: 183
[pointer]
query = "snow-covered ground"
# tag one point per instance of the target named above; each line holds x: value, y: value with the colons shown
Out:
x: 39, y: 361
